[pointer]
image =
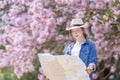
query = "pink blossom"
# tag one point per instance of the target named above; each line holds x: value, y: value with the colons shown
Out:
x: 105, y: 17
x: 2, y: 40
x: 28, y: 24
x: 41, y: 40
x: 109, y: 1
x: 92, y: 6
x: 59, y: 1
x: 30, y: 67
x: 35, y: 33
x: 20, y: 22
x: 107, y: 27
x: 104, y: 43
x: 40, y: 70
x: 83, y: 3
x: 59, y: 37
x: 100, y: 5
x: 35, y: 26
x: 116, y: 57
x: 112, y: 69
x: 4, y: 63
x: 117, y: 12
x: 2, y: 5
x: 107, y: 65
x: 80, y: 14
x: 5, y: 17
x: 95, y: 76
x: 18, y: 73
x: 46, y: 51
x: 61, y: 20
x: 13, y: 12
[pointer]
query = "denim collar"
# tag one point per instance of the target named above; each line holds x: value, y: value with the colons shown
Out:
x: 86, y: 41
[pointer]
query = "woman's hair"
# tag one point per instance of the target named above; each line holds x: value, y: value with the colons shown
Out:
x: 84, y: 34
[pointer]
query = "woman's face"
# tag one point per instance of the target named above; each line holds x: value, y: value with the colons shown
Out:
x: 77, y: 33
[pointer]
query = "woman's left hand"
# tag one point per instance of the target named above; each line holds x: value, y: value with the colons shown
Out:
x: 90, y: 69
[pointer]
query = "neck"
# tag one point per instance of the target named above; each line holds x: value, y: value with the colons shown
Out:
x: 81, y: 40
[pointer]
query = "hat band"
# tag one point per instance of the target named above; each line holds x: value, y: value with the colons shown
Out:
x: 77, y: 25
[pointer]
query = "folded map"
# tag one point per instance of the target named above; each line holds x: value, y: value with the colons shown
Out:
x: 63, y: 67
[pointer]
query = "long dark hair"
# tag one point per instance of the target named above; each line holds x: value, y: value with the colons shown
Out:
x: 84, y: 34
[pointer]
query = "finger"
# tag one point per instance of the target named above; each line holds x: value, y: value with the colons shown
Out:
x: 45, y: 78
x: 41, y: 70
x: 89, y: 71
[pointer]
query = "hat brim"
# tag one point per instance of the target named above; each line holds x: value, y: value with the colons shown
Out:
x: 74, y: 27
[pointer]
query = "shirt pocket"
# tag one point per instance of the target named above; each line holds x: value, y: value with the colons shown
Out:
x: 85, y: 54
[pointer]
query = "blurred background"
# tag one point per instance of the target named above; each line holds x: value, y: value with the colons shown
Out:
x: 29, y: 27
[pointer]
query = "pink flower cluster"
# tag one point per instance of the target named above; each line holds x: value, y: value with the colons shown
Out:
x: 24, y: 33
x: 28, y: 24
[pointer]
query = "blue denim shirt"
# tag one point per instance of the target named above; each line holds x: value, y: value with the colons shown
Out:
x: 87, y: 53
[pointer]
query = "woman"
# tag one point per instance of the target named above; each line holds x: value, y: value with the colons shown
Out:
x: 82, y: 47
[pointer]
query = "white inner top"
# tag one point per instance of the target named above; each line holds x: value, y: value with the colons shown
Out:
x: 76, y: 49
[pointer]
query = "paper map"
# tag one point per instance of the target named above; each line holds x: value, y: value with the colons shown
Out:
x: 63, y: 67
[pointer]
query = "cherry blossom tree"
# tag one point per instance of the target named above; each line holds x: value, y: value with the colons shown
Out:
x: 29, y: 27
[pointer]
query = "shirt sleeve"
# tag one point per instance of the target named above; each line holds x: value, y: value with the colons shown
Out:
x: 93, y: 57
x: 67, y: 50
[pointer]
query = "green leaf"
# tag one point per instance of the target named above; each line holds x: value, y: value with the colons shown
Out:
x: 7, y: 74
x: 2, y: 47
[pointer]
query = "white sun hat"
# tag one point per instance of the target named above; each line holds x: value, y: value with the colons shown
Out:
x: 76, y: 23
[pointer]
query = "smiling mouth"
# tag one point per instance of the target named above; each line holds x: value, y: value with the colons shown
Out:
x: 76, y: 35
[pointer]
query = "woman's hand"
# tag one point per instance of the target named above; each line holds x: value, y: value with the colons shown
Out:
x: 42, y: 76
x: 90, y: 69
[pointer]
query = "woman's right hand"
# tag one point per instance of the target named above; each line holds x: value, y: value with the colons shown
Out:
x: 90, y: 69
x: 42, y: 76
